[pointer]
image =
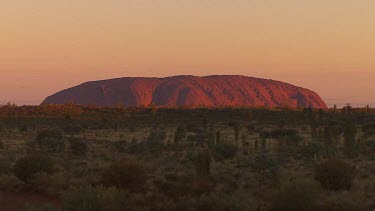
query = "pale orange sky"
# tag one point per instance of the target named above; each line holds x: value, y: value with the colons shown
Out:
x: 324, y: 45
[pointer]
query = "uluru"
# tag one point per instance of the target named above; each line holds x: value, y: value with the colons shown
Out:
x: 186, y: 90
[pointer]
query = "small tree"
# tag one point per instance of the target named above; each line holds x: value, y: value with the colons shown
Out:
x: 263, y: 144
x: 334, y: 174
x: 350, y: 132
x: 203, y: 163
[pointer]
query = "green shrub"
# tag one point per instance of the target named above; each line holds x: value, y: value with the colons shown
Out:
x: 2, y: 127
x: 153, y: 144
x: 93, y: 199
x: 203, y: 164
x: 266, y: 167
x: 23, y: 128
x: 51, y: 140
x: 128, y: 173
x: 27, y: 167
x: 78, y: 146
x: 345, y: 201
x: 10, y: 183
x: 312, y: 149
x: 49, y: 133
x: 120, y: 146
x: 72, y: 130
x: 334, y: 174
x: 224, y: 151
x: 2, y: 145
x: 294, y: 140
x: 46, y: 207
x: 180, y: 135
x: 296, y: 196
x: 49, y: 183
x: 52, y: 145
x: 5, y: 167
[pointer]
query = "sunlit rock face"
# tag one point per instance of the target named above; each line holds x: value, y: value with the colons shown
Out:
x: 194, y: 91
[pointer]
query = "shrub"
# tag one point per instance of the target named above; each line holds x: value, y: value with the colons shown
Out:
x: 203, y: 164
x: 153, y: 144
x: 128, y: 173
x: 296, y: 196
x: 2, y: 127
x: 221, y: 202
x: 2, y: 145
x: 5, y: 167
x: 50, y: 140
x: 266, y: 167
x: 93, y: 199
x: 23, y: 128
x: 312, y: 149
x: 120, y: 146
x: 52, y: 145
x: 345, y: 201
x: 10, y: 183
x: 48, y: 133
x: 334, y: 174
x: 48, y: 183
x: 45, y: 207
x: 72, y: 130
x: 293, y: 140
x: 224, y: 151
x: 26, y: 167
x: 180, y: 135
x: 78, y: 146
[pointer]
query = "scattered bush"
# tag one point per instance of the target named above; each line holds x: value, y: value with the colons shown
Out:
x: 10, y: 183
x: 91, y: 198
x: 23, y: 128
x: 120, y: 146
x: 266, y: 167
x: 72, y: 130
x: 48, y: 183
x: 334, y: 174
x: 153, y: 144
x: 203, y: 164
x: 2, y: 127
x: 312, y: 149
x: 49, y: 133
x: 128, y: 173
x: 296, y: 196
x: 293, y: 140
x: 224, y: 151
x: 345, y: 201
x: 2, y: 145
x: 5, y: 167
x: 51, y: 140
x: 46, y: 207
x: 27, y: 167
x: 78, y: 146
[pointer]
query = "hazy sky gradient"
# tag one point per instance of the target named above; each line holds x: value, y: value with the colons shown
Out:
x: 324, y: 45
